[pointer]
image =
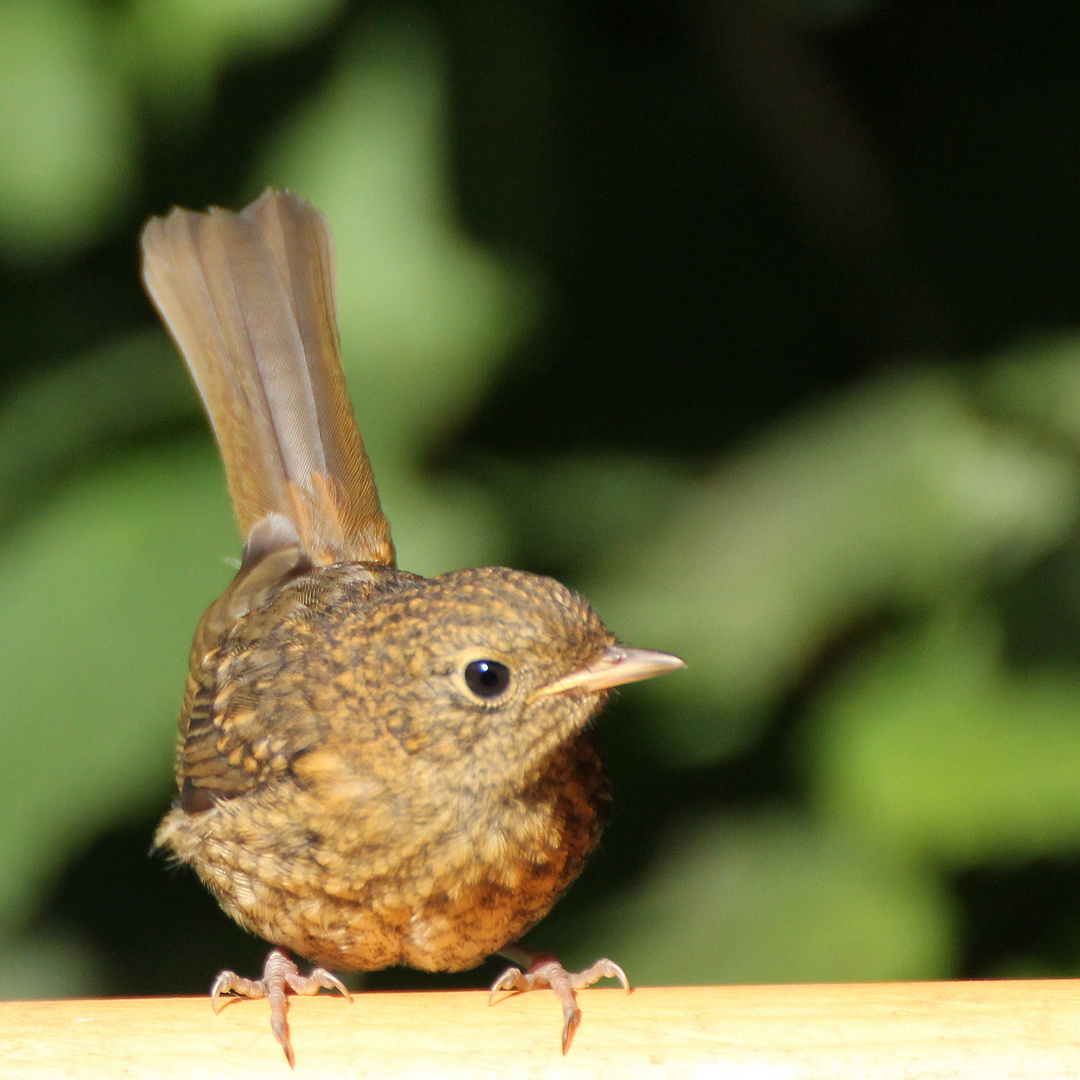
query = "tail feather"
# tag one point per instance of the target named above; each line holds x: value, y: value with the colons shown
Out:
x: 249, y: 299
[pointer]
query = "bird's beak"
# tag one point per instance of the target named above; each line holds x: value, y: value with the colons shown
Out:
x: 613, y: 667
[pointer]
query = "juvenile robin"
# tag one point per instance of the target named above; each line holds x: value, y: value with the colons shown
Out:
x: 374, y: 768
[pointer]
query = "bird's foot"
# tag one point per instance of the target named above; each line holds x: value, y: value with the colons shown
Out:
x: 542, y: 970
x: 280, y: 976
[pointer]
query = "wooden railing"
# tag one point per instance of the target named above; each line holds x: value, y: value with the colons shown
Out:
x: 957, y: 1030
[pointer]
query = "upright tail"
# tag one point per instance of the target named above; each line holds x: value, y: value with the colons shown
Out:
x: 249, y: 299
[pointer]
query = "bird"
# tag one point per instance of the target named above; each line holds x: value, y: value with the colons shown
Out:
x: 374, y: 768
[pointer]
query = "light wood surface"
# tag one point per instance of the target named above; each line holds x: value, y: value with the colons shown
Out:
x: 983, y: 1030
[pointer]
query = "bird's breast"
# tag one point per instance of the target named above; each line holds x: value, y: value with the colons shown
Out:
x: 438, y: 890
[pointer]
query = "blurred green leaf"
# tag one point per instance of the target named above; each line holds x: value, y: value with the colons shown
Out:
x: 579, y: 510
x: 932, y: 746
x: 895, y: 494
x: 130, y: 386
x: 426, y: 313
x: 67, y: 135
x: 771, y: 898
x: 178, y: 47
x: 1038, y: 383
x: 50, y: 964
x: 99, y: 596
x: 441, y: 524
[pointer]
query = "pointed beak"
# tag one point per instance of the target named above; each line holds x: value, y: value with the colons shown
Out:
x: 613, y: 667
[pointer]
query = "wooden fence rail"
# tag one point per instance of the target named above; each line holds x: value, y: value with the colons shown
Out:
x: 981, y: 1030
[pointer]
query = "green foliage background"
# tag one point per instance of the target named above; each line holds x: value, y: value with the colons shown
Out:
x: 754, y: 321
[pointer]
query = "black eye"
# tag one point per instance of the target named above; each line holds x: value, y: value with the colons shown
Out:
x: 487, y: 678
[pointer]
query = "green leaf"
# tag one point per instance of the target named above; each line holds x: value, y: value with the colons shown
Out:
x: 99, y: 597
x: 67, y: 134
x: 895, y: 495
x: 932, y: 745
x: 771, y: 898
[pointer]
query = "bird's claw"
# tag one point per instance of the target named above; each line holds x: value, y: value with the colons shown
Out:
x: 546, y: 972
x: 280, y: 976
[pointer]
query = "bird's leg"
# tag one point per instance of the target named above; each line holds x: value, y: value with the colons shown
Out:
x: 542, y: 970
x: 280, y: 975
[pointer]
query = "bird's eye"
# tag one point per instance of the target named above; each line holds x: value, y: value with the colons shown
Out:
x: 487, y: 678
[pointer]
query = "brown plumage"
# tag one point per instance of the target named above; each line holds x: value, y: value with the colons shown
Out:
x: 374, y: 768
